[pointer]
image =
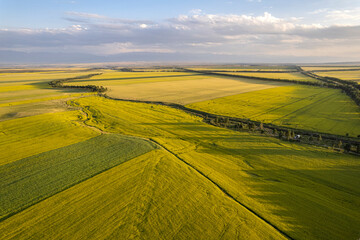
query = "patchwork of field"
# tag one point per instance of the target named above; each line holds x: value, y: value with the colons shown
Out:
x: 285, y: 183
x: 135, y: 200
x: 279, y: 76
x: 95, y: 168
x: 344, y: 75
x: 59, y: 169
x: 182, y: 88
x: 303, y: 107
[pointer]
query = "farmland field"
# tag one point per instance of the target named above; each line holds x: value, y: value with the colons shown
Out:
x: 27, y: 94
x: 105, y: 207
x: 344, y: 75
x: 245, y: 68
x: 324, y: 68
x: 34, y: 178
x: 244, y: 165
x: 77, y: 166
x: 280, y: 76
x: 177, y: 87
x: 312, y: 108
x: 24, y: 137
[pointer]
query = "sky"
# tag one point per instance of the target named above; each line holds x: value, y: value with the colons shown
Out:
x: 229, y: 31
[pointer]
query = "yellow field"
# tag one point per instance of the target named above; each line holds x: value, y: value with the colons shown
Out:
x: 287, y: 76
x: 344, y: 75
x: 135, y: 200
x: 303, y: 107
x: 180, y: 88
x: 291, y: 185
x: 27, y: 94
x: 24, y: 137
x: 82, y: 178
x: 313, y: 68
x: 241, y: 69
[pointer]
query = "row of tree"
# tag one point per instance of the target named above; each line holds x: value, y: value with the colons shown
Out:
x: 283, y: 133
x: 351, y: 88
x: 93, y: 88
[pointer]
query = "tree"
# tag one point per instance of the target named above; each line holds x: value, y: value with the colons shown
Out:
x: 288, y: 135
x: 226, y: 120
x: 319, y: 138
x: 347, y: 147
x: 261, y: 126
x: 280, y: 134
x: 311, y: 138
x: 339, y: 144
x: 275, y: 131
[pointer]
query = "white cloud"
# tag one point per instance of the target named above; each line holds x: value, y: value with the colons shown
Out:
x: 350, y: 16
x: 196, y: 33
x: 318, y: 11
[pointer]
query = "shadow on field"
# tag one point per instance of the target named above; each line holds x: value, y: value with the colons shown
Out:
x: 311, y: 204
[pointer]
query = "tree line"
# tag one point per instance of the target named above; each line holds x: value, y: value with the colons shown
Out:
x: 93, y: 88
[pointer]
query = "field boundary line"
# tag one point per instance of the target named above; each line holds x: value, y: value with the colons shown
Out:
x: 224, y: 191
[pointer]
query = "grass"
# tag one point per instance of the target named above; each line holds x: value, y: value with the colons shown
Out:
x: 295, y: 187
x: 135, y: 200
x: 24, y: 137
x: 32, y: 179
x: 180, y: 88
x: 312, y: 108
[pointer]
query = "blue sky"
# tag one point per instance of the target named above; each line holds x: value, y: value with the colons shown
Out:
x: 230, y: 30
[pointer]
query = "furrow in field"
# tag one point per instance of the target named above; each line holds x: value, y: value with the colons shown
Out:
x: 306, y: 106
x: 287, y: 104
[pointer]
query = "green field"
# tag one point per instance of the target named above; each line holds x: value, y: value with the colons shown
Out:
x: 286, y: 183
x: 312, y: 108
x: 135, y: 200
x: 24, y: 137
x: 34, y: 178
x: 76, y: 166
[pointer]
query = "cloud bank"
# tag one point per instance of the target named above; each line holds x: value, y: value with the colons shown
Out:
x: 214, y: 37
